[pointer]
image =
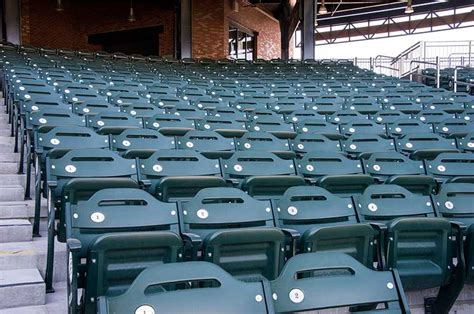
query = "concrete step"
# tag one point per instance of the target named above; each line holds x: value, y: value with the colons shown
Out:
x: 9, y: 156
x: 4, y: 131
x: 22, y: 209
x: 6, y: 140
x: 21, y: 287
x: 56, y: 303
x: 32, y: 254
x: 13, y: 178
x: 15, y: 230
x: 8, y: 168
x: 11, y: 193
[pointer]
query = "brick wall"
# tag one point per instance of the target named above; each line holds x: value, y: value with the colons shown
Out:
x: 43, y: 26
x: 267, y: 27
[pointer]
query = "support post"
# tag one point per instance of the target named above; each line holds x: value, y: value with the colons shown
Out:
x: 185, y: 29
x: 307, y: 33
x: 12, y: 21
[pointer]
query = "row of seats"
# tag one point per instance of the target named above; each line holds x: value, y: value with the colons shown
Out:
x: 154, y: 169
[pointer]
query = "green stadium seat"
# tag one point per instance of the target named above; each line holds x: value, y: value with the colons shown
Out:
x: 424, y: 146
x: 179, y: 174
x: 211, y: 144
x: 276, y: 127
x: 223, y: 126
x: 319, y: 281
x: 363, y: 126
x: 345, y: 116
x: 141, y: 143
x: 388, y: 116
x: 383, y: 165
x: 360, y: 144
x: 75, y: 176
x: 311, y: 142
x: 234, y: 231
x: 466, y: 143
x: 433, y: 116
x: 112, y: 237
x: 264, y: 141
x: 454, y: 128
x: 197, y: 287
x: 169, y: 124
x: 112, y: 122
x: 187, y: 112
x: 93, y: 107
x: 451, y: 167
x: 261, y: 174
x: 455, y: 202
x: 408, y: 126
x: 143, y: 110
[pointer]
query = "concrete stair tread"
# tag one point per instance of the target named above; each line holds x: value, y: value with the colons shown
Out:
x: 21, y: 287
x: 20, y: 277
x: 56, y: 303
x: 14, y: 222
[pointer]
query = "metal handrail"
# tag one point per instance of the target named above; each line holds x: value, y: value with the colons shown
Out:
x: 379, y: 57
x: 429, y: 63
x: 406, y: 51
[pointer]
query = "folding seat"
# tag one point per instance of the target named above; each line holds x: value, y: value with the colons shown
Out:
x: 286, y: 106
x: 404, y: 105
x: 319, y: 127
x: 72, y: 88
x: 157, y: 90
x: 316, y: 220
x: 360, y: 144
x: 207, y: 102
x: 302, y: 115
x: 408, y: 126
x: 249, y: 104
x: 54, y: 143
x: 205, y: 287
x: 324, y: 106
x: 83, y: 96
x: 113, y: 90
x: 247, y: 244
x: 168, y: 101
x: 261, y: 174
x: 179, y: 174
x: 169, y: 124
x: 345, y: 116
x: 140, y: 143
x: 466, y: 99
x: 225, y: 127
x: 384, y: 165
x: 312, y: 142
x: 423, y: 252
x: 433, y: 116
x: 363, y: 106
x: 388, y: 116
x: 112, y: 237
x: 334, y: 172
x: 455, y: 202
x: 362, y: 126
x: 76, y: 176
x: 228, y: 113
x: 467, y: 115
x: 466, y: 143
x: 93, y: 107
x: 451, y: 167
x: 320, y: 281
x: 422, y: 146
x: 276, y: 127
x: 446, y: 105
x: 454, y: 128
x: 142, y: 110
x: 264, y: 141
x: 187, y: 112
x: 264, y: 113
x: 210, y: 143
x: 112, y: 122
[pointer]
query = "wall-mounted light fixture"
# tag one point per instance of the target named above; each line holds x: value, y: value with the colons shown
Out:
x: 131, y: 14
x: 59, y: 6
x: 322, y: 8
x: 409, y: 8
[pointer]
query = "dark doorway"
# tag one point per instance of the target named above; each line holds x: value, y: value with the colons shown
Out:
x: 143, y: 41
